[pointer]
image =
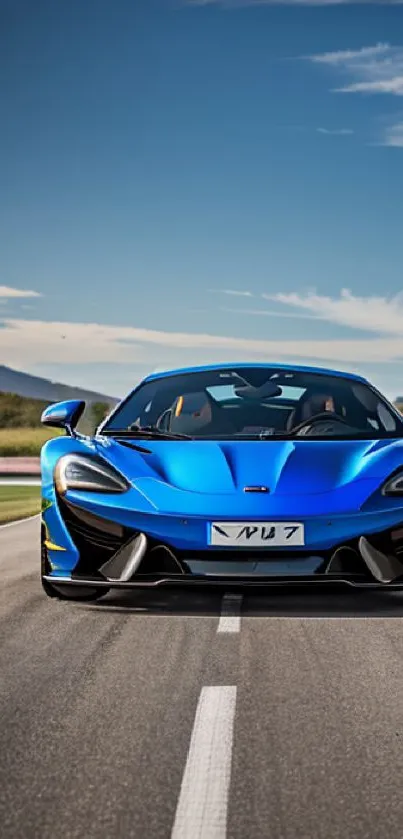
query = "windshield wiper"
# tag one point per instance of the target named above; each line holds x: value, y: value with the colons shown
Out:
x: 148, y: 431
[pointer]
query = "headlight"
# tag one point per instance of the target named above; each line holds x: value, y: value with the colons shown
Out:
x: 74, y: 471
x: 394, y: 486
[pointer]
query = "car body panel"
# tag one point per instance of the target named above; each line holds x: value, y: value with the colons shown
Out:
x: 179, y: 487
x: 295, y: 368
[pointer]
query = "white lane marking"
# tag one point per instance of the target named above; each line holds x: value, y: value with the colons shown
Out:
x: 230, y: 619
x: 202, y: 807
x: 20, y: 521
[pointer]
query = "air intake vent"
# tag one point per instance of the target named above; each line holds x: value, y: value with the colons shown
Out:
x: 87, y: 530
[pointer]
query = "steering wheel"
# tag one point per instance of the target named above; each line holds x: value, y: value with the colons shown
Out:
x: 323, y: 416
x: 163, y: 421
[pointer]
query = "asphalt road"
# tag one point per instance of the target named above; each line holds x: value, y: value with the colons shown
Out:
x: 149, y: 715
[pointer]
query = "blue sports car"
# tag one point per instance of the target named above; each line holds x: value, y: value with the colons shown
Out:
x: 236, y: 474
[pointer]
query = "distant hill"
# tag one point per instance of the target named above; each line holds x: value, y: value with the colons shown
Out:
x: 35, y: 387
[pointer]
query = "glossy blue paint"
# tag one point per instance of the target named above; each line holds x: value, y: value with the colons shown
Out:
x: 295, y: 368
x: 63, y: 414
x: 179, y: 487
x: 333, y: 487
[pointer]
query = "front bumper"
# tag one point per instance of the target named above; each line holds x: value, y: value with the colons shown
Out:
x: 80, y: 548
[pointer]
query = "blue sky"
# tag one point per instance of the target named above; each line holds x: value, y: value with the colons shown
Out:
x: 187, y: 181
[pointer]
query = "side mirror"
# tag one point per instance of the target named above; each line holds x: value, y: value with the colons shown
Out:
x: 64, y: 414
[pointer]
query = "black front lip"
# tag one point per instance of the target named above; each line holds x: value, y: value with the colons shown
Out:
x: 152, y: 581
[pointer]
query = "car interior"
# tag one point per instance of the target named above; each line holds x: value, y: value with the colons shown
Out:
x: 200, y: 414
x: 253, y: 402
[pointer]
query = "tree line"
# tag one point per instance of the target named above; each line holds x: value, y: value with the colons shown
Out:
x: 25, y: 412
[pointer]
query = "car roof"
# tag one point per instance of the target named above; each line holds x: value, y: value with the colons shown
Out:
x: 295, y: 368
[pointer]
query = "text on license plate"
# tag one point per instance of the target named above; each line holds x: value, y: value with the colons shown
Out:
x: 257, y: 534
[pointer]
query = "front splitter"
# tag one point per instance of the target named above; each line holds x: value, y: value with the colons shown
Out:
x: 189, y: 581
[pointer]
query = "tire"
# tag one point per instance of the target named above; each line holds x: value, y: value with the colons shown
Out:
x: 83, y: 594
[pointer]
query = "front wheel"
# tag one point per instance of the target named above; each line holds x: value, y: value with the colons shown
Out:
x: 72, y: 592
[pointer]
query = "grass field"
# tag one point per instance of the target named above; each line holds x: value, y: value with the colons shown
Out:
x: 20, y: 442
x: 19, y: 502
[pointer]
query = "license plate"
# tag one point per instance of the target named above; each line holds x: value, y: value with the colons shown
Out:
x: 268, y: 534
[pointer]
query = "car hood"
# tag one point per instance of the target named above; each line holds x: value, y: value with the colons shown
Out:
x: 182, y: 475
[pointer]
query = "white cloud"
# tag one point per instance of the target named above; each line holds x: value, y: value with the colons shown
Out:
x: 232, y: 292
x: 7, y: 292
x: 375, y: 69
x: 376, y: 314
x: 393, y: 86
x: 25, y: 343
x: 270, y: 313
x: 335, y: 132
x: 347, y: 56
x: 394, y: 136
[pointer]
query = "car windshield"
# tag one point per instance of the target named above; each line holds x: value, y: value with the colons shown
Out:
x: 255, y: 402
